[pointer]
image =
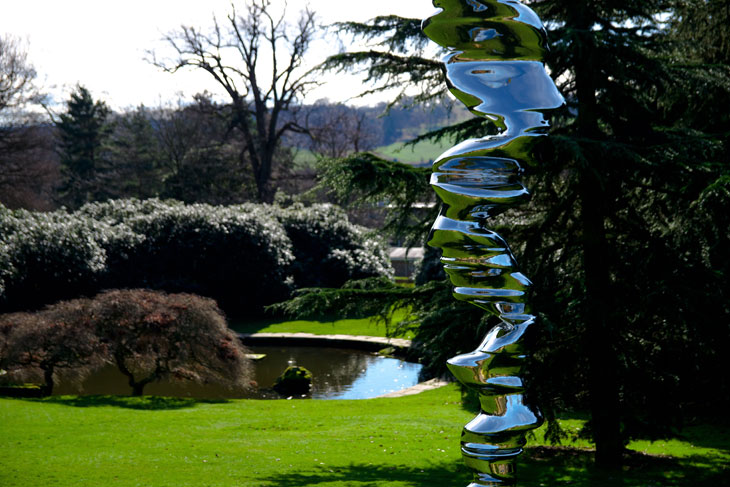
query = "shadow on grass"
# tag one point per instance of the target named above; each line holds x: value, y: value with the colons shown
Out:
x: 151, y: 403
x: 714, y: 434
x: 554, y: 466
x: 361, y: 475
x: 539, y: 467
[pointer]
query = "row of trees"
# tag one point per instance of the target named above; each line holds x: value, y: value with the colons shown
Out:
x: 189, y: 153
x: 186, y: 152
x: 206, y: 150
x: 149, y: 336
x: 626, y: 238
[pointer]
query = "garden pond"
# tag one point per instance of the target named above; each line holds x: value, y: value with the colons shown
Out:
x: 337, y: 374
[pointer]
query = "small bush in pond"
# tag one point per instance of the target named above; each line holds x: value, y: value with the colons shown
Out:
x: 294, y: 381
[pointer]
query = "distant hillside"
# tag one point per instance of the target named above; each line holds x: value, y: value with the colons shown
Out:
x: 421, y: 154
x: 341, y: 129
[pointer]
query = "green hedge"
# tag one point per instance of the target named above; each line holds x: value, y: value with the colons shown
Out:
x: 244, y: 256
x: 328, y: 249
x: 49, y: 255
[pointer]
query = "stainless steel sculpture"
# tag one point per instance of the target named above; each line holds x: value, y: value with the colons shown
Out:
x: 494, y: 66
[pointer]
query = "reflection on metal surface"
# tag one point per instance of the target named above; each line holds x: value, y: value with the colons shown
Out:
x: 494, y: 66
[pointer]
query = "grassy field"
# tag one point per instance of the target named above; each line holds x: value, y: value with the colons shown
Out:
x: 423, y: 152
x: 408, y: 441
x: 364, y: 327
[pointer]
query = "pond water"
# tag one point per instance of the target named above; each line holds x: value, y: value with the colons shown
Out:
x: 337, y: 374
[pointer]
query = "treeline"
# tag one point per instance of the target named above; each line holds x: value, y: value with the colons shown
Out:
x: 186, y: 152
x: 244, y: 256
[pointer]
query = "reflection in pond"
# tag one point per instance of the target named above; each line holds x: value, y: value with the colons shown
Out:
x: 337, y: 374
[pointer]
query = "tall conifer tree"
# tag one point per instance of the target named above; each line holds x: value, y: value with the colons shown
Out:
x: 82, y: 130
x: 624, y: 236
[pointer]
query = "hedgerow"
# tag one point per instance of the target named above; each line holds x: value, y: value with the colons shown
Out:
x: 329, y: 250
x: 244, y: 256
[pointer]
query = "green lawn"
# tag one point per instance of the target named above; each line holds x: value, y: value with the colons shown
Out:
x: 423, y: 152
x: 408, y: 441
x: 364, y: 327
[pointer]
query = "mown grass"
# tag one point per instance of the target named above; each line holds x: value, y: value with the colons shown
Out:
x: 364, y: 327
x: 408, y: 441
x: 420, y: 153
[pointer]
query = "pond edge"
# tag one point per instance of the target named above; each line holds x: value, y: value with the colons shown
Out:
x: 357, y: 342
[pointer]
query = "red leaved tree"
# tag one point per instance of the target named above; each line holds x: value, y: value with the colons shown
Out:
x: 59, y: 341
x: 152, y: 336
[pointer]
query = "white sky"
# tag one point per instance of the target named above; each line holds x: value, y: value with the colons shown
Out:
x: 101, y: 43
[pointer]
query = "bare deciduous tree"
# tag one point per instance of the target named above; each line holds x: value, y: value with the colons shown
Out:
x: 16, y: 76
x: 259, y: 89
x: 28, y: 166
x: 337, y: 130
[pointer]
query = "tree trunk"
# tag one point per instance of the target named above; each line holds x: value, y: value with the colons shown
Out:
x: 600, y: 339
x: 47, y: 388
x: 599, y: 318
x: 137, y: 388
x: 263, y: 178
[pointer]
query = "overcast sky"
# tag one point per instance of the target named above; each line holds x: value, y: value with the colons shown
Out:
x: 101, y: 43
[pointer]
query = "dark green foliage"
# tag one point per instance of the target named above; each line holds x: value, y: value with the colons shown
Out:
x: 356, y: 299
x: 242, y: 256
x: 210, y: 174
x: 430, y: 267
x: 328, y: 249
x: 135, y: 165
x: 471, y: 128
x: 294, y: 381
x: 636, y: 161
x: 82, y: 130
x: 626, y: 237
x: 365, y: 178
x: 397, y: 63
x: 397, y: 34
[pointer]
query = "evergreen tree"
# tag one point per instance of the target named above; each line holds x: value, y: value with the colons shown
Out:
x: 82, y: 130
x: 202, y: 157
x: 624, y: 282
x: 134, y: 168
